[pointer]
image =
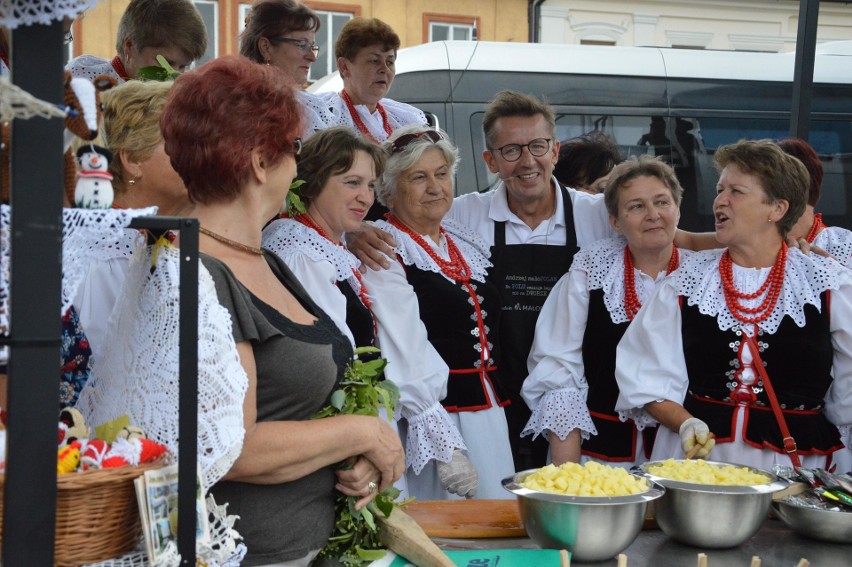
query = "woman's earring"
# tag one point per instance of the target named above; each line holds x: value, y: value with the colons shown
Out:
x: 268, y: 63
x: 132, y: 182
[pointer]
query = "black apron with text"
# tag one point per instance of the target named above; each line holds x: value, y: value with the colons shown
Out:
x: 525, y: 274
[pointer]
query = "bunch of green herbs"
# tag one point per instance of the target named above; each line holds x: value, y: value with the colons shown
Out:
x: 355, y: 539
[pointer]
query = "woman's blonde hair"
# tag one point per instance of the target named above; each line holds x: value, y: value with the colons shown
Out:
x: 132, y: 124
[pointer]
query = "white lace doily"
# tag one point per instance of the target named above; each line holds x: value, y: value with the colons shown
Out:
x: 431, y: 435
x: 472, y: 247
x: 285, y: 236
x: 87, y: 234
x: 18, y: 103
x: 399, y: 114
x: 223, y: 550
x: 805, y: 278
x: 14, y: 13
x: 138, y: 375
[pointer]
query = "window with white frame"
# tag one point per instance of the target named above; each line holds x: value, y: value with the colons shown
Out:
x: 331, y: 22
x: 441, y: 31
x: 209, y: 11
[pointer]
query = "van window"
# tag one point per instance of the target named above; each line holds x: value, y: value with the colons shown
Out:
x: 688, y: 144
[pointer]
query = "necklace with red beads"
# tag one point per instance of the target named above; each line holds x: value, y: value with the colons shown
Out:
x: 356, y: 118
x: 771, y: 288
x: 362, y: 291
x: 457, y: 269
x: 816, y: 228
x: 632, y: 305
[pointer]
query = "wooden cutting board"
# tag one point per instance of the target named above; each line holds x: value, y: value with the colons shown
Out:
x: 468, y: 518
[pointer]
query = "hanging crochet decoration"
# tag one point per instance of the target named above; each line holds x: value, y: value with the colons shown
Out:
x: 15, y: 102
x: 14, y: 13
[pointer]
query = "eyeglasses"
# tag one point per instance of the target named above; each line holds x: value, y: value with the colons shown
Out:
x: 400, y: 143
x: 302, y: 44
x: 297, y: 146
x: 512, y: 152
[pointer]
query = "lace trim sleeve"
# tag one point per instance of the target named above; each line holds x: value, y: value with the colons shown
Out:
x: 431, y: 435
x: 561, y: 411
x: 640, y: 417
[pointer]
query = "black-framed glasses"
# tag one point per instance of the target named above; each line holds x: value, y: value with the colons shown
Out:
x: 400, y: 143
x: 302, y: 44
x: 512, y: 152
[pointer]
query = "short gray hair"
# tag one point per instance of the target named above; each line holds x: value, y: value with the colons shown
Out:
x: 404, y: 159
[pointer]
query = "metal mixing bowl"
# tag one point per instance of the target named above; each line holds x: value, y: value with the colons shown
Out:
x: 711, y: 516
x: 823, y: 525
x: 592, y: 528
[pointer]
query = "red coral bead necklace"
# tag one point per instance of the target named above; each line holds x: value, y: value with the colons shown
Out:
x: 632, y: 305
x: 816, y: 228
x: 771, y: 287
x: 356, y: 118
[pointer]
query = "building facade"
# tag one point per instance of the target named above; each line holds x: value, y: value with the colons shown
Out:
x: 416, y: 22
x: 739, y: 25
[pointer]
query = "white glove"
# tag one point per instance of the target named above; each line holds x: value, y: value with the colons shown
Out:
x: 458, y: 476
x: 693, y: 432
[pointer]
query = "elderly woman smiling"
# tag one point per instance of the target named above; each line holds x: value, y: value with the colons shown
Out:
x: 571, y: 387
x: 440, y: 278
x: 741, y: 342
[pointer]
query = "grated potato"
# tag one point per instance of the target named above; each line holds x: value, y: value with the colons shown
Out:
x: 702, y: 472
x: 591, y: 479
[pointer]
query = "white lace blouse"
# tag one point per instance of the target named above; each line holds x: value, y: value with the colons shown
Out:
x: 556, y: 387
x: 836, y: 241
x: 399, y: 114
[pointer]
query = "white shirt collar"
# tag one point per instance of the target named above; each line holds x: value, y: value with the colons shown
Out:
x: 499, y: 210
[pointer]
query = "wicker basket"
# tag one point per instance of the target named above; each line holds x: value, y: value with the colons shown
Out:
x: 97, y: 517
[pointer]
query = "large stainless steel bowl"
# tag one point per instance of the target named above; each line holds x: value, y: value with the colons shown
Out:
x: 823, y: 525
x: 592, y: 528
x: 711, y: 516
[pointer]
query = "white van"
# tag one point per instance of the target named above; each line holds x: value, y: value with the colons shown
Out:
x: 704, y: 98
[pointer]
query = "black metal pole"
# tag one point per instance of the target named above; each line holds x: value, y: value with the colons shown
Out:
x: 188, y: 405
x: 803, y: 74
x: 37, y: 179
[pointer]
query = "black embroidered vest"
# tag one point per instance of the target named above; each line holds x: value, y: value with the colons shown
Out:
x: 447, y: 311
x: 797, y: 359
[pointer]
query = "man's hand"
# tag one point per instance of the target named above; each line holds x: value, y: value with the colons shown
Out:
x: 372, y: 246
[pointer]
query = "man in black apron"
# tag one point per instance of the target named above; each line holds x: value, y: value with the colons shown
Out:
x: 520, y: 134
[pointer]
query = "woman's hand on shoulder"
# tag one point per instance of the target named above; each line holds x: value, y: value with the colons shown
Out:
x: 372, y: 246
